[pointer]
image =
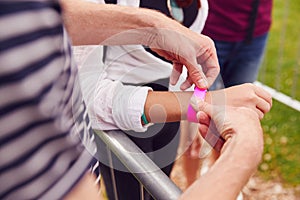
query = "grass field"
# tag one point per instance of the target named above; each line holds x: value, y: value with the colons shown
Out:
x: 281, y: 70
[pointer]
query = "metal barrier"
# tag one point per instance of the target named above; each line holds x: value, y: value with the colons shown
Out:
x: 157, y: 183
x: 283, y: 98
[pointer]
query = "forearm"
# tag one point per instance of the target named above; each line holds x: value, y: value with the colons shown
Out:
x: 166, y: 106
x: 90, y: 23
x: 169, y: 106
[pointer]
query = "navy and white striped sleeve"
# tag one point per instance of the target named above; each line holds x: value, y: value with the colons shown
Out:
x: 42, y: 114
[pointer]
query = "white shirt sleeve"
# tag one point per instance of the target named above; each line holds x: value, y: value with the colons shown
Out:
x: 111, y: 105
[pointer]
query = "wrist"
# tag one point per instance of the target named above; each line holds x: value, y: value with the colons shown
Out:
x: 144, y: 119
x: 191, y: 112
x: 151, y: 21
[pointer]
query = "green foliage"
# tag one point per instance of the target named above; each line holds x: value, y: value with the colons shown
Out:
x: 281, y: 70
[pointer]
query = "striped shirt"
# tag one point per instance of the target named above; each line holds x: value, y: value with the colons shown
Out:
x: 43, y: 119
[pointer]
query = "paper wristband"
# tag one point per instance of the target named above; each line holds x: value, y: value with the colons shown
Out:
x: 191, y: 113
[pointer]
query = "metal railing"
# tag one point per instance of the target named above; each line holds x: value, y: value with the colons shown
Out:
x: 157, y: 183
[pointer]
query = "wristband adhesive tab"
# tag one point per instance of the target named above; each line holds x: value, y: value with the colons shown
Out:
x: 191, y: 113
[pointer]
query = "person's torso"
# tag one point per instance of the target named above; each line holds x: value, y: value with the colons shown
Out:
x: 42, y: 113
x: 229, y: 20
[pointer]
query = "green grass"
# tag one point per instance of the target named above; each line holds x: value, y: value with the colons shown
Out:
x: 280, y: 70
x: 281, y: 159
x: 281, y: 66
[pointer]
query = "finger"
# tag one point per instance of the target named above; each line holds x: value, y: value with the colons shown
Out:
x: 196, y: 74
x: 176, y: 72
x: 259, y: 113
x: 263, y: 105
x: 210, y: 65
x: 211, y: 73
x: 204, y: 119
x: 186, y: 84
x: 204, y: 108
x: 264, y: 95
x: 202, y: 129
x: 196, y: 145
x: 213, y: 140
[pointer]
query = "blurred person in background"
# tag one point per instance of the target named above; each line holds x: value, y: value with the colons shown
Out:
x: 240, y: 32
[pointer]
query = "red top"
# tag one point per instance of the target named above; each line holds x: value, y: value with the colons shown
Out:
x: 228, y: 20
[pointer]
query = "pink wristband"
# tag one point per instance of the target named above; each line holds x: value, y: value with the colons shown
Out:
x: 191, y: 113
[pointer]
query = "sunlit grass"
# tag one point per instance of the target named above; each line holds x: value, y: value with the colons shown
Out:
x: 281, y: 158
x: 282, y: 59
x: 280, y: 70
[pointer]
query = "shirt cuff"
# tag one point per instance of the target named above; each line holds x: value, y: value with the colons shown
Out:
x: 128, y: 107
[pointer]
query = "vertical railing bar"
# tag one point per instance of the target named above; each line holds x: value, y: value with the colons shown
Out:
x: 141, y: 192
x: 112, y: 174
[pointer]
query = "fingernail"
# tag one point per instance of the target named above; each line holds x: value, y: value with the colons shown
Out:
x: 203, y: 83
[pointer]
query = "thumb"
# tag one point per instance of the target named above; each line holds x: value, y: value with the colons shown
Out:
x: 200, y: 105
x: 215, y: 112
x: 196, y: 74
x: 205, y: 107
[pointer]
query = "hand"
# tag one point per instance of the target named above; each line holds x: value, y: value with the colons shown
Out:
x: 246, y: 95
x: 218, y: 124
x: 185, y: 47
x: 239, y: 157
x: 201, y: 149
x: 129, y: 25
